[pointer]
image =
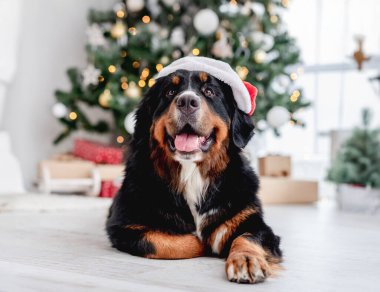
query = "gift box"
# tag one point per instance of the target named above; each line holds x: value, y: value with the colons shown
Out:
x: 97, y: 153
x: 109, y: 172
x: 282, y: 190
x: 66, y: 167
x: 275, y: 166
x: 108, y: 189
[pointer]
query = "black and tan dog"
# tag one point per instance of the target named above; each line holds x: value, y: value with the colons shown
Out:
x: 188, y: 191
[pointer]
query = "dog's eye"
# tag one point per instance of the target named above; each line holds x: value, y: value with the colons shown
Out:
x: 171, y: 92
x: 208, y: 92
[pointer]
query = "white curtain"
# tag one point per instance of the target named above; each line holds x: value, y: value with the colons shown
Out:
x: 10, y: 172
x: 9, y: 33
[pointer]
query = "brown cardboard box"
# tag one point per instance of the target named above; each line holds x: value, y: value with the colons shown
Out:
x: 110, y: 171
x: 275, y: 165
x: 67, y: 169
x: 282, y: 190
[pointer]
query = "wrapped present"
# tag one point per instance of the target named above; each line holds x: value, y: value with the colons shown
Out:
x: 109, y: 188
x: 97, y: 153
x: 282, y: 190
x: 66, y: 166
x: 275, y: 166
x: 110, y: 171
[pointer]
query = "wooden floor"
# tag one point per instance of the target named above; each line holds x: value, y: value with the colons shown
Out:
x: 55, y: 251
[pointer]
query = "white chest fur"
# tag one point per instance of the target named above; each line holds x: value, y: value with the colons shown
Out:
x: 194, y: 189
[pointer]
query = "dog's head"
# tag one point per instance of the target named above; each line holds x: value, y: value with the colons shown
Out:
x: 193, y: 116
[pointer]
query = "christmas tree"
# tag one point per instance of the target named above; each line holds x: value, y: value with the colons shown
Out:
x: 358, y: 160
x: 128, y: 45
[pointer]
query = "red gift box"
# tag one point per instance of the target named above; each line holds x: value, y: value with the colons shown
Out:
x: 108, y: 189
x: 97, y: 153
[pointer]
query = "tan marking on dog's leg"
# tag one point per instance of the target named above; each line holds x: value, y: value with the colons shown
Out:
x: 248, y: 262
x: 221, y: 234
x: 169, y: 246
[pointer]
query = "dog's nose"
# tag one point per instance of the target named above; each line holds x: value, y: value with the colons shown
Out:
x: 188, y: 103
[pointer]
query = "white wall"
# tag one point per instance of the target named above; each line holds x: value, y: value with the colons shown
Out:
x: 52, y: 38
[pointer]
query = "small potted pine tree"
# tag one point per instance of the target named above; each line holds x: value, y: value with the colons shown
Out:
x: 356, y: 169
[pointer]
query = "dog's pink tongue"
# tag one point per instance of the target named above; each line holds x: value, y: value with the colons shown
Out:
x: 186, y: 142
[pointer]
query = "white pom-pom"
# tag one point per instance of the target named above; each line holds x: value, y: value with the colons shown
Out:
x: 177, y: 37
x: 206, y: 21
x: 278, y: 116
x: 59, y: 110
x: 135, y: 5
x: 130, y: 121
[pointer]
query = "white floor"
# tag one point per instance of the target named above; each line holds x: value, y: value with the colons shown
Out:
x: 325, y: 250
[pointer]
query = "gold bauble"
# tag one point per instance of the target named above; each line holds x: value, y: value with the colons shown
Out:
x: 105, y: 98
x: 133, y: 91
x: 118, y: 30
x: 260, y: 56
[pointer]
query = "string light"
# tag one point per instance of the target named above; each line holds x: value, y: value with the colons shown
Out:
x: 136, y: 64
x: 145, y: 73
x: 141, y: 83
x: 124, y: 85
x: 120, y: 139
x: 100, y: 78
x: 292, y: 123
x: 159, y: 67
x: 123, y: 53
x: 145, y: 19
x: 151, y: 82
x: 242, y: 72
x: 274, y: 18
x: 132, y: 30
x: 123, y: 79
x: 233, y: 2
x: 73, y: 116
x: 285, y: 3
x: 195, y: 51
x: 112, y: 68
x: 293, y: 76
x: 120, y: 13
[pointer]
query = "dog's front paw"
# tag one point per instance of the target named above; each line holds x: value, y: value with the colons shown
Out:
x: 244, y: 267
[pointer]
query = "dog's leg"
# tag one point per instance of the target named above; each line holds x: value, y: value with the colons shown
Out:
x: 249, y: 262
x: 142, y: 241
x: 251, y: 247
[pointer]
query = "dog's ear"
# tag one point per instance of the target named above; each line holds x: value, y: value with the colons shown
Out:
x: 241, y: 128
x: 147, y: 107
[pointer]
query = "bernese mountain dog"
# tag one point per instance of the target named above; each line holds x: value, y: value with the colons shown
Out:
x: 188, y: 189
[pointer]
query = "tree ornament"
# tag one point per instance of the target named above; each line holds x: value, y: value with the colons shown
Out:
x: 177, y: 37
x: 262, y: 125
x: 262, y: 40
x: 278, y: 116
x: 154, y: 7
x: 95, y: 36
x: 130, y: 122
x: 260, y: 56
x: 222, y: 49
x: 169, y: 3
x: 90, y: 75
x: 164, y: 60
x: 206, y: 21
x: 135, y: 5
x: 133, y: 91
x: 258, y: 9
x: 59, y: 110
x: 118, y: 29
x: 105, y: 98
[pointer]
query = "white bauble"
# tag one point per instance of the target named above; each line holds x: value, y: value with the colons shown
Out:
x: 262, y: 125
x: 278, y: 116
x: 177, y: 37
x: 130, y: 122
x: 260, y: 56
x: 206, y: 21
x: 265, y: 41
x: 258, y: 9
x: 59, y: 110
x: 280, y: 83
x: 135, y: 5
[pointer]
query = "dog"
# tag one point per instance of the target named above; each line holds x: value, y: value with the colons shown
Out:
x: 188, y: 190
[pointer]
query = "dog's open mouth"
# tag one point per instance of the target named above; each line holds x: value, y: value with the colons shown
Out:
x: 188, y: 141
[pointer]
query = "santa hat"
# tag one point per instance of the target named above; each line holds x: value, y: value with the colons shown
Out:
x: 244, y: 92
